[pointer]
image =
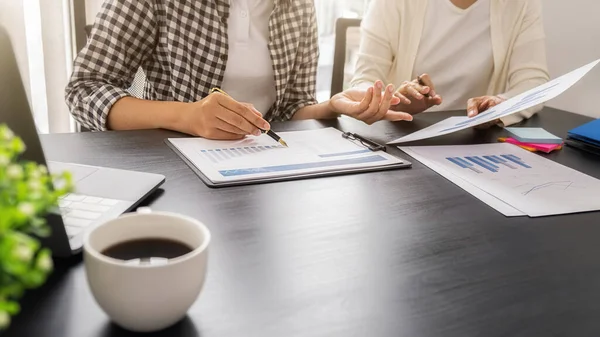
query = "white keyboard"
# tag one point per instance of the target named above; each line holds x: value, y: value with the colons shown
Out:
x: 80, y: 211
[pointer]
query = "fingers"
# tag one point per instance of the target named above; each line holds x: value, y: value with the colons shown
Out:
x: 251, y: 106
x: 489, y: 102
x: 473, y: 106
x: 426, y: 80
x: 249, y: 122
x: 220, y: 134
x: 374, y: 104
x: 364, y: 104
x: 397, y: 116
x: 435, y: 100
x: 386, y: 102
x: 478, y: 105
x: 401, y: 98
x: 395, y: 100
x: 422, y: 89
x: 413, y: 90
x: 230, y: 127
x: 237, y: 123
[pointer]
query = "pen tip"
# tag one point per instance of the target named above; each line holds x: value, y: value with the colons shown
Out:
x: 283, y: 143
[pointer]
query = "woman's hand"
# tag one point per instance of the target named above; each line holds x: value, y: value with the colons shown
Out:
x: 370, y: 105
x: 421, y: 94
x: 480, y: 104
x: 219, y: 116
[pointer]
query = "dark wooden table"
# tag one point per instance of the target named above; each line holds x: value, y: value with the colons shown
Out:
x: 396, y: 253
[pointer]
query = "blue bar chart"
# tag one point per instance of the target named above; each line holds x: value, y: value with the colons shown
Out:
x: 224, y: 154
x: 489, y: 163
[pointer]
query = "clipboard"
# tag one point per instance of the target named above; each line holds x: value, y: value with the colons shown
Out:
x: 192, y: 152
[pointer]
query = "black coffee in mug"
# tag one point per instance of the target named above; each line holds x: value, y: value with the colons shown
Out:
x: 147, y: 248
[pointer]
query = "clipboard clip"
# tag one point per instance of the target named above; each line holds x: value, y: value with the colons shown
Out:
x: 371, y: 145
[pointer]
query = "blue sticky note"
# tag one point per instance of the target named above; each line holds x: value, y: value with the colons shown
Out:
x: 534, y: 135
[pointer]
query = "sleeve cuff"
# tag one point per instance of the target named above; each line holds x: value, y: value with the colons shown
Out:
x: 291, y: 109
x: 99, y: 106
x: 511, y: 119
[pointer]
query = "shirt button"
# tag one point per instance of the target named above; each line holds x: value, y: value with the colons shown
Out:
x: 244, y: 14
x: 224, y: 19
x: 223, y: 57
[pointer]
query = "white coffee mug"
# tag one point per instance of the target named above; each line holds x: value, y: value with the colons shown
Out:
x: 146, y: 297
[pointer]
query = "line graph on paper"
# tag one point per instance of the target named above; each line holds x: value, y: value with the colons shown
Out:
x: 558, y: 185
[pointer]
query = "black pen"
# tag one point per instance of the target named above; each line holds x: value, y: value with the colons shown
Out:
x: 269, y: 132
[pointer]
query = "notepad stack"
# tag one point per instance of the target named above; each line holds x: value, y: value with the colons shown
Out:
x: 586, y: 137
x: 533, y: 139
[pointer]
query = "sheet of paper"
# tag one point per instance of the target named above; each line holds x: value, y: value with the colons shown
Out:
x: 524, y: 180
x: 526, y: 100
x: 478, y: 193
x: 310, y: 151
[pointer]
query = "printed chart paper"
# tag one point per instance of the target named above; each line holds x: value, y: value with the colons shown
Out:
x: 310, y: 151
x: 526, y: 181
x: 489, y: 199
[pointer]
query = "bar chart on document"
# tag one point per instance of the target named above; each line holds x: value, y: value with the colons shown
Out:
x: 222, y: 155
x: 526, y: 181
x: 310, y: 151
x: 489, y: 163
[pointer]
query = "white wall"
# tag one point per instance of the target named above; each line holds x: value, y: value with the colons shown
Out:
x: 57, y: 61
x: 92, y: 7
x: 37, y: 31
x: 573, y: 39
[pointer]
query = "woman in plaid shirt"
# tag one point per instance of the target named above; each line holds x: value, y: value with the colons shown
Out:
x: 264, y: 53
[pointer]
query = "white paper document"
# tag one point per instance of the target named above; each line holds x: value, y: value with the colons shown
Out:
x: 521, y: 179
x: 526, y: 100
x: 255, y: 158
x: 478, y: 193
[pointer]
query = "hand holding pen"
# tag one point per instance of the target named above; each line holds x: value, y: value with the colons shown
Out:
x: 263, y: 128
x: 417, y: 95
x: 218, y: 116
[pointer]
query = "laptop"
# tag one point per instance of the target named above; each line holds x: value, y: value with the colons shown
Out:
x: 94, y: 199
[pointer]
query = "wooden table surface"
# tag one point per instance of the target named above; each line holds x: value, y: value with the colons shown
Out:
x: 395, y: 253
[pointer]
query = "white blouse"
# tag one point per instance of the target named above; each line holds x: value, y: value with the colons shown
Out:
x: 249, y: 75
x: 456, y: 51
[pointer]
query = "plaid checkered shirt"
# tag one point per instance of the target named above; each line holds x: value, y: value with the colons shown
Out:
x: 182, y: 46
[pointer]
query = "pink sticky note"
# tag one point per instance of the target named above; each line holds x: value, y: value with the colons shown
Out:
x: 541, y: 147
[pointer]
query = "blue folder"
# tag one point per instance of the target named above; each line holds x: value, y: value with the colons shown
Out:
x: 588, y: 133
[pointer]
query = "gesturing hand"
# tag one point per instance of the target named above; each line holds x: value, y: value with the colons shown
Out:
x: 369, y: 105
x: 420, y: 93
x: 219, y: 116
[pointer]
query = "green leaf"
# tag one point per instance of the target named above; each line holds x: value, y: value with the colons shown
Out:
x: 17, y: 145
x: 4, y: 319
x: 27, y: 193
x: 12, y: 290
x: 44, y: 261
x: 10, y: 307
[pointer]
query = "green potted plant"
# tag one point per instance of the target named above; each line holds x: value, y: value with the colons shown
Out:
x: 27, y: 193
